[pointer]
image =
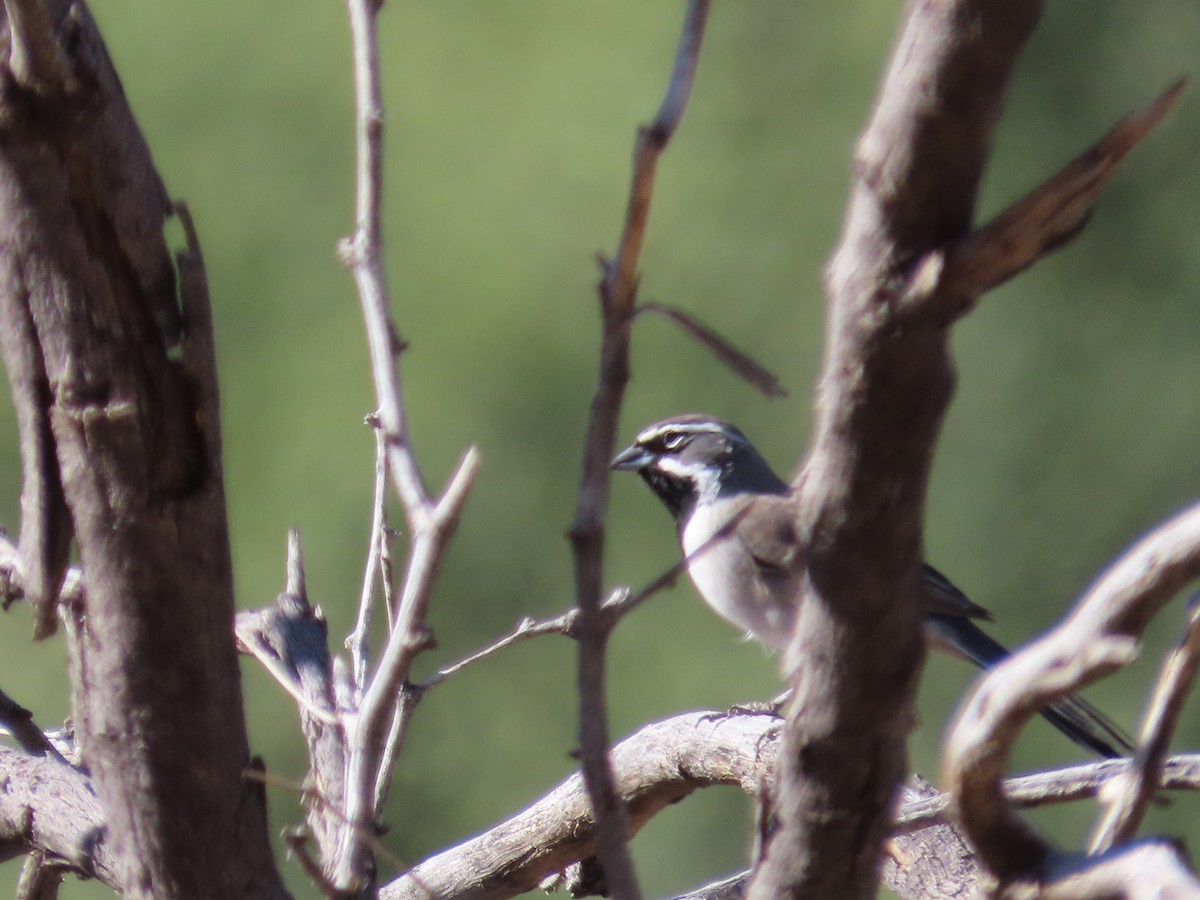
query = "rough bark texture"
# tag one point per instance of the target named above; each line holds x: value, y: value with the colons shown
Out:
x: 98, y: 351
x: 886, y: 383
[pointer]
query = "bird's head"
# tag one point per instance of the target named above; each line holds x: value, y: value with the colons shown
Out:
x: 694, y: 459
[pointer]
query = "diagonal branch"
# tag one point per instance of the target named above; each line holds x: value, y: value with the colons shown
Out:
x: 1051, y: 214
x: 741, y: 364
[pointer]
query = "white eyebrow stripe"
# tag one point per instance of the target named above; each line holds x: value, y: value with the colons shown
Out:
x: 655, y: 431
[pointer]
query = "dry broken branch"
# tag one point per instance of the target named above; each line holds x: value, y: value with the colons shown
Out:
x: 290, y: 639
x: 1052, y: 213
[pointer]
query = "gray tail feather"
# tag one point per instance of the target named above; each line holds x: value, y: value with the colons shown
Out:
x: 1073, y: 716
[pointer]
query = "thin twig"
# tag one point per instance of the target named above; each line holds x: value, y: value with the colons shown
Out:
x: 249, y: 641
x: 397, y: 732
x: 618, y: 290
x: 359, y: 642
x: 387, y: 577
x: 616, y: 606
x: 525, y: 629
x: 1064, y: 785
x: 312, y: 795
x: 741, y: 364
x: 296, y: 840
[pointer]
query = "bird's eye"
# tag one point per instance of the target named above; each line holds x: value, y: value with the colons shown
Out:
x: 673, y: 441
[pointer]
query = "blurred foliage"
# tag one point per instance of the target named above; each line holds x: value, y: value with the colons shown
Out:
x: 510, y: 127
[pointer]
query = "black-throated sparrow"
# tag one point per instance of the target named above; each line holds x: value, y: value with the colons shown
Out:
x: 713, y: 480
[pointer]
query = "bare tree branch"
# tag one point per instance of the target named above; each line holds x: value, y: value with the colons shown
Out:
x: 654, y: 768
x: 1056, y: 786
x: 290, y: 639
x: 684, y: 753
x: 431, y: 521
x: 1131, y: 796
x: 53, y: 808
x: 886, y: 384
x: 742, y: 364
x: 359, y: 642
x: 618, y: 290
x: 663, y: 762
x: 887, y: 379
x: 90, y: 305
x: 618, y: 604
x: 1098, y: 636
x: 1052, y: 213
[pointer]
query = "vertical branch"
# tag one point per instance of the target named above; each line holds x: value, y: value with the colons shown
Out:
x: 126, y: 439
x: 618, y: 291
x: 359, y: 642
x: 887, y: 379
x: 431, y: 521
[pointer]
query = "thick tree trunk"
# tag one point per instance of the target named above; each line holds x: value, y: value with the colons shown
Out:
x: 119, y: 428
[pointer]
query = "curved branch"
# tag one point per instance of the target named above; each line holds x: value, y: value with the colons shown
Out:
x: 1128, y: 804
x: 1097, y: 637
x: 654, y: 768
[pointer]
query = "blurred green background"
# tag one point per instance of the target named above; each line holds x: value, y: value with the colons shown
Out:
x: 509, y: 129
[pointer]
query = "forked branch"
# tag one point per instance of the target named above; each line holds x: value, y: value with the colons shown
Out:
x: 431, y: 521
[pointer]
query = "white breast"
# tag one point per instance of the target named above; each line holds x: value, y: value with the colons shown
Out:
x: 731, y: 581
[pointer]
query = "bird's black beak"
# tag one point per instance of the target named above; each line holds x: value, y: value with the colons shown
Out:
x: 632, y: 459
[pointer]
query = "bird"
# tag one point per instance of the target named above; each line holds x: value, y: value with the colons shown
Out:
x: 735, y: 519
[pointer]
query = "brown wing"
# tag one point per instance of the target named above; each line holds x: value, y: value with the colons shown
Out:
x: 767, y: 530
